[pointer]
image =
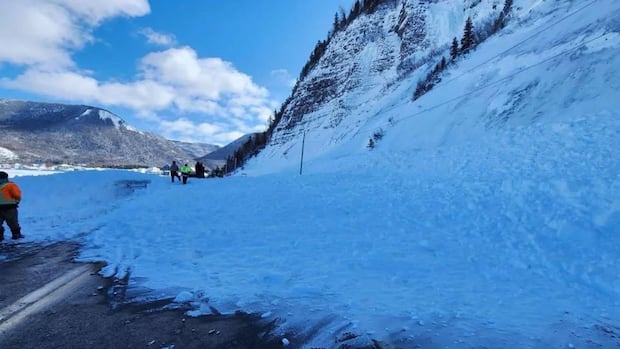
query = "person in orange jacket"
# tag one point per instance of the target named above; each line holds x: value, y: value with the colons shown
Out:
x: 10, y: 196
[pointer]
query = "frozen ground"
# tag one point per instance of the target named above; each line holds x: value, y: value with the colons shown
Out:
x: 513, y: 241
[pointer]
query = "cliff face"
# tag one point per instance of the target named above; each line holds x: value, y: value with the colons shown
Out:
x: 539, y: 65
x: 372, y: 55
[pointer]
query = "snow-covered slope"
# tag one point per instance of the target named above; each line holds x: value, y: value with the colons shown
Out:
x: 503, y: 177
x: 554, y: 62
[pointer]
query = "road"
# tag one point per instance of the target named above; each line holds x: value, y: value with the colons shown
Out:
x: 49, y: 301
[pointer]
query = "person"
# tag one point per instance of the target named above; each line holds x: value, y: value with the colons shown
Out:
x: 200, y: 170
x: 174, y: 171
x: 10, y: 196
x: 185, y: 172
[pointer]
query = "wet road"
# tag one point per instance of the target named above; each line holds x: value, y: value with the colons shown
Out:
x: 49, y: 301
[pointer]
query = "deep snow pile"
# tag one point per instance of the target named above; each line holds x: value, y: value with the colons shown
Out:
x: 508, y: 241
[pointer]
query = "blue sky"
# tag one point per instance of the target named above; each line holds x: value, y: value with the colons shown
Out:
x: 194, y: 70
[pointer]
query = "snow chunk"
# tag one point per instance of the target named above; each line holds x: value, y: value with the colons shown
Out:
x: 6, y: 154
x: 184, y: 296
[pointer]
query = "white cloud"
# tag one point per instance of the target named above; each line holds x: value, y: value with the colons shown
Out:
x: 284, y: 77
x: 262, y: 112
x: 61, y: 84
x: 230, y: 136
x: 222, y: 132
x: 139, y: 95
x: 41, y: 36
x: 96, y: 11
x: 200, y: 105
x: 65, y: 85
x: 157, y: 38
x: 176, y: 66
x: 209, y: 85
x: 208, y: 78
x: 187, y: 130
x: 45, y: 33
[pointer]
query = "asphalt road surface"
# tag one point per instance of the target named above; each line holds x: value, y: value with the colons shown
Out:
x: 49, y: 301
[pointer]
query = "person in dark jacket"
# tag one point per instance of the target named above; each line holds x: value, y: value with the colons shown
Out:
x: 200, y: 170
x: 174, y: 171
x: 10, y: 196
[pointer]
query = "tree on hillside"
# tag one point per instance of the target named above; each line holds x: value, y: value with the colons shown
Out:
x: 369, y: 6
x: 315, y: 56
x: 343, y: 17
x: 337, y: 24
x: 467, y: 42
x: 443, y: 64
x: 454, y: 49
x: 356, y: 10
x: 507, y: 7
x: 502, y: 18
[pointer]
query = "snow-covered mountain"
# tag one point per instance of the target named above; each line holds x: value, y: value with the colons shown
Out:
x: 34, y: 132
x: 548, y: 61
x: 197, y: 150
x: 217, y: 158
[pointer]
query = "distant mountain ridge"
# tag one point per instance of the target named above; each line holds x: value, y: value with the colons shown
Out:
x: 197, y: 150
x: 78, y: 134
x: 218, y: 157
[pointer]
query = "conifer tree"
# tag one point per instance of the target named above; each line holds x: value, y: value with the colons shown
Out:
x: 356, y: 10
x: 336, y: 23
x: 507, y: 7
x: 454, y: 49
x: 467, y: 42
x: 443, y: 64
x: 370, y: 6
x: 343, y: 18
x: 501, y: 19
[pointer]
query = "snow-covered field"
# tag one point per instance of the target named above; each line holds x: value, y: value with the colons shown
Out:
x: 508, y: 242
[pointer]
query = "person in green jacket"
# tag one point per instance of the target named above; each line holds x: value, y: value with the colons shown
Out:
x: 185, y: 172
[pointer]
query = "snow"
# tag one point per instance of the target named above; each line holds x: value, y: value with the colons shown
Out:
x: 509, y: 240
x: 105, y: 115
x: 489, y: 220
x: 6, y: 154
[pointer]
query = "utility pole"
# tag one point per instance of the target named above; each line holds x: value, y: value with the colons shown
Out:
x: 303, y: 143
